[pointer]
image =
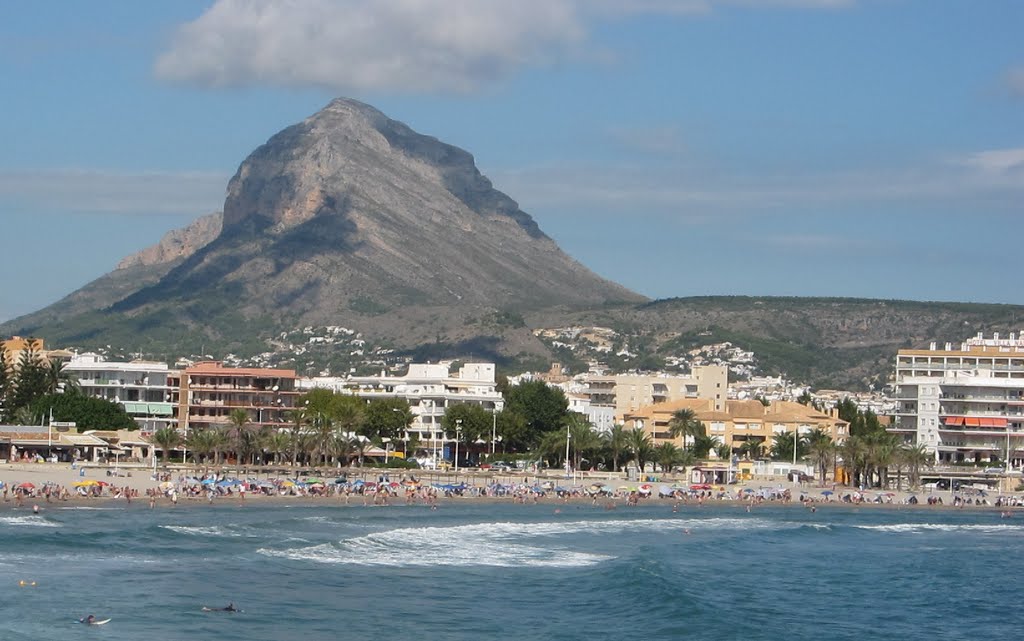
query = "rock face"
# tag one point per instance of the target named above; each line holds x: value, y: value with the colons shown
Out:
x: 350, y: 206
x: 177, y: 244
x: 347, y: 217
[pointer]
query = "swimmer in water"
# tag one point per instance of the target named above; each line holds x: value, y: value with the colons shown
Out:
x: 228, y: 608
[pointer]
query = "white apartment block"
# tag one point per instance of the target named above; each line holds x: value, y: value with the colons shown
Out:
x: 626, y: 393
x: 965, y: 404
x: 148, y: 391
x: 429, y: 389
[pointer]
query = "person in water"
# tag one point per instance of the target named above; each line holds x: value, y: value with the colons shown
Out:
x: 89, y: 620
x: 229, y: 608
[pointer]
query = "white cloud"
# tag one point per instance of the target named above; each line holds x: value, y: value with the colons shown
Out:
x: 995, y: 177
x: 998, y: 164
x: 406, y: 46
x: 109, y: 192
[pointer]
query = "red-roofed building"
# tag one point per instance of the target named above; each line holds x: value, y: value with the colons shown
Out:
x: 210, y: 392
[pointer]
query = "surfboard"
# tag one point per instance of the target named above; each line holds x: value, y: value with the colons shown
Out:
x: 95, y: 621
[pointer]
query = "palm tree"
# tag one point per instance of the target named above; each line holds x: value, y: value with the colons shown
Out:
x: 684, y: 424
x: 219, y: 442
x: 323, y: 436
x: 57, y: 380
x: 238, y: 421
x: 723, y: 451
x: 200, y: 444
x: 342, y: 447
x: 584, y: 440
x: 822, y: 451
x: 702, y: 446
x: 167, y: 438
x: 278, y: 442
x: 640, y: 446
x: 616, y: 442
x: 916, y: 457
x: 667, y: 455
x: 752, y: 448
x: 298, y: 418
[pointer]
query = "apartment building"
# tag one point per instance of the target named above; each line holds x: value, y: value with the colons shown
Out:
x: 148, y: 391
x: 210, y: 392
x: 739, y: 421
x: 429, y: 388
x: 964, y: 403
x: 625, y: 393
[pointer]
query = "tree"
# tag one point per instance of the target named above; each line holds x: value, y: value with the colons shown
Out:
x: 583, y: 441
x: 238, y: 424
x: 782, y: 446
x: 277, y: 443
x: 86, y: 412
x: 723, y: 451
x: 616, y: 442
x: 543, y: 408
x: 466, y: 423
x: 702, y: 446
x: 30, y: 378
x: 56, y: 380
x: 667, y: 455
x: 6, y: 385
x: 915, y: 457
x: 387, y: 418
x: 822, y: 451
x: 200, y: 443
x: 640, y: 446
x: 168, y: 439
x: 684, y: 424
x: 752, y: 449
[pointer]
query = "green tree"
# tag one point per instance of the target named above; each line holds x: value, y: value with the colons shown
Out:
x: 684, y: 424
x: 30, y: 378
x: 752, y: 449
x: 822, y: 451
x: 702, y: 446
x: 86, y: 412
x: 640, y: 446
x: 782, y: 446
x: 6, y: 386
x: 666, y: 455
x: 617, y: 443
x: 386, y: 418
x: 56, y: 379
x: 543, y: 408
x: 468, y: 424
x: 584, y: 442
x: 168, y: 439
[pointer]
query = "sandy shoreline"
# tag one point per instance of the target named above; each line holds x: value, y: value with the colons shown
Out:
x: 141, y: 481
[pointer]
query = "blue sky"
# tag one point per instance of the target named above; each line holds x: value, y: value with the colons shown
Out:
x: 680, y: 147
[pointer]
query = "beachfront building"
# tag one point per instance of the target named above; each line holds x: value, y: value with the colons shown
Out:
x: 964, y: 403
x: 739, y: 421
x: 210, y: 392
x: 15, y: 346
x: 429, y: 388
x: 148, y: 391
x: 34, y: 443
x: 625, y: 393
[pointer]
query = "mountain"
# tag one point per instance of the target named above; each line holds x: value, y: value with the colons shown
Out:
x: 347, y: 218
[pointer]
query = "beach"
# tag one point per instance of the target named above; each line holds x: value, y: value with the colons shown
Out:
x: 60, y: 483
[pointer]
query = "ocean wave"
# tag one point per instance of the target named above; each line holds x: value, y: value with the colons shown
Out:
x: 503, y: 544
x: 917, y: 528
x: 195, y: 530
x: 31, y: 521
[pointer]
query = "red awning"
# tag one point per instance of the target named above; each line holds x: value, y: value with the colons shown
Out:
x: 954, y: 420
x: 971, y: 421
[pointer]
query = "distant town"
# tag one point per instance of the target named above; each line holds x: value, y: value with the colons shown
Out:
x: 961, y: 405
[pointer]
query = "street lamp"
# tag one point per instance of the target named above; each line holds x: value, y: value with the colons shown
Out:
x: 568, y: 437
x: 458, y: 437
x: 494, y: 432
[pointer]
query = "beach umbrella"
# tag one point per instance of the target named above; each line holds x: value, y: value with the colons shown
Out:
x: 314, y: 480
x: 166, y: 485
x: 665, y: 490
x: 27, y: 486
x: 827, y: 493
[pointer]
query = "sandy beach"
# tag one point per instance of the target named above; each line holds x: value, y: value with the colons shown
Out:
x: 141, y: 483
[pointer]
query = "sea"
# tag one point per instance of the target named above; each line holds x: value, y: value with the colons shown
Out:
x: 478, y: 571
